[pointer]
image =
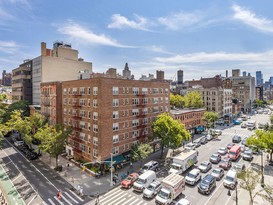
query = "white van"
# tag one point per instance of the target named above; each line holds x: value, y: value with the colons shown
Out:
x: 144, y: 180
x: 230, y: 180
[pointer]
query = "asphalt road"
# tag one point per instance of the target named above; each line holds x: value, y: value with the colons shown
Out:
x: 219, y: 195
x: 43, y: 183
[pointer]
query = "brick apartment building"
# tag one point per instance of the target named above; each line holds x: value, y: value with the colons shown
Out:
x: 191, y: 118
x: 107, y: 112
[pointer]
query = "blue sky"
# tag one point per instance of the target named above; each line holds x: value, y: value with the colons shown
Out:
x: 203, y: 38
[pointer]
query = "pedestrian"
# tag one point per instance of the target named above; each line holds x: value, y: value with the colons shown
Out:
x: 131, y: 165
x: 267, y: 156
x: 97, y: 198
x: 59, y: 195
x: 128, y: 173
x: 68, y: 165
x: 81, y: 191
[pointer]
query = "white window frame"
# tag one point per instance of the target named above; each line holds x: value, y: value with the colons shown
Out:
x: 115, y: 126
x: 115, y: 90
x: 115, y: 139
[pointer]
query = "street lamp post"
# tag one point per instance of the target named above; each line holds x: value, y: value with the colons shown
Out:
x: 111, y: 183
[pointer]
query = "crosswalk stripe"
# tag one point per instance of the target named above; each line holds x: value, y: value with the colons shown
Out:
x: 133, y: 202
x: 75, y: 195
x: 58, y: 200
x: 130, y: 199
x: 118, y: 199
x: 109, y: 195
x: 66, y: 200
x: 71, y: 198
x: 140, y: 203
x: 103, y: 200
x: 52, y: 203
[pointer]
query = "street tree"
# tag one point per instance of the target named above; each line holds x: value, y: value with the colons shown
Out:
x: 171, y: 132
x: 53, y: 139
x: 263, y: 140
x: 248, y: 181
x: 193, y: 100
x: 210, y: 118
x: 23, y: 106
x: 3, y: 97
x: 141, y: 152
x: 176, y: 101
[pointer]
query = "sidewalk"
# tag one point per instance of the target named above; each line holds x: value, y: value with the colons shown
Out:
x: 91, y: 185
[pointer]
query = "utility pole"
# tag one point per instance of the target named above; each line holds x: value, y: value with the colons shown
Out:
x: 111, y: 183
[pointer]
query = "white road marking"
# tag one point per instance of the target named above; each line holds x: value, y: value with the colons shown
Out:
x: 76, y: 195
x: 52, y: 203
x: 133, y: 202
x: 118, y: 199
x: 71, y: 198
x: 55, y: 197
x: 140, y: 203
x: 67, y: 201
x: 103, y: 200
x: 128, y: 200
x: 109, y: 195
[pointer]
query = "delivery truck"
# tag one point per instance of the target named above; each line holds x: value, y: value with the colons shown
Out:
x: 183, y: 161
x: 172, y: 186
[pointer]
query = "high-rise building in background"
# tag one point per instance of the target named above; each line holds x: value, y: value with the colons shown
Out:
x: 244, y: 73
x: 126, y: 73
x: 180, y: 77
x: 6, y: 78
x: 259, y: 78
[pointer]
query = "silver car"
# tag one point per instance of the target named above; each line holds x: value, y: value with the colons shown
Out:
x: 152, y: 189
x: 218, y: 173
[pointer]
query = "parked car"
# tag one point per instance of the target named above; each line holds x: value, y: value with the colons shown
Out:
x: 197, y: 143
x: 230, y: 180
x: 17, y: 143
x: 207, y: 184
x: 129, y: 181
x: 190, y: 146
x: 236, y: 139
x: 151, y: 165
x: 222, y: 150
x: 193, y: 176
x: 244, y: 141
x: 183, y: 202
x: 152, y: 190
x: 218, y: 173
x: 220, y: 122
x: 225, y: 163
x: 239, y: 167
x: 243, y: 125
x: 247, y: 155
x: 230, y: 145
x: 209, y: 137
x: 218, y: 132
x: 203, y: 140
x: 205, y: 166
x: 215, y: 158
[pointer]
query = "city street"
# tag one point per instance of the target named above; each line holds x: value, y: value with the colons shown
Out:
x: 219, y: 194
x: 35, y: 181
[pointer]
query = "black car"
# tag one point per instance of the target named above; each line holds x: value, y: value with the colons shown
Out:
x: 236, y: 139
x: 207, y: 184
x: 203, y: 140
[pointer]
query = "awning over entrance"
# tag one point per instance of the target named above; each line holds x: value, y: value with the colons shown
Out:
x: 117, y: 159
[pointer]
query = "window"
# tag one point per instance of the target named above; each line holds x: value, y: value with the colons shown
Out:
x: 64, y: 111
x: 81, y: 90
x: 145, y: 101
x: 166, y: 90
x: 145, y: 121
x: 82, y: 113
x: 135, y: 122
x: 95, y: 90
x: 95, y: 128
x: 82, y: 147
x: 115, y: 102
x: 166, y: 100
x: 135, y: 112
x: 115, y: 126
x: 155, y: 100
x: 89, y: 127
x: 95, y: 116
x: 135, y: 91
x: 135, y: 133
x: 115, y: 150
x: 82, y: 124
x: 89, y: 90
x: 89, y: 103
x: 89, y: 114
x: 115, y: 139
x: 145, y: 111
x: 89, y: 150
x: 144, y: 91
x: 155, y: 91
x: 89, y: 138
x: 74, y: 91
x: 95, y: 103
x: 115, y: 114
x: 135, y: 101
x: 64, y: 91
x: 95, y: 153
x: 82, y: 136
x: 95, y: 141
x: 115, y: 90
x: 82, y: 102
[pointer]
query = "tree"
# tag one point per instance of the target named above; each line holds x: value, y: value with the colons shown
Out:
x: 53, y: 139
x: 3, y: 97
x: 171, y: 132
x: 141, y: 152
x: 176, y: 101
x: 193, y: 100
x: 249, y: 181
x: 210, y: 118
x: 263, y: 140
x: 20, y: 105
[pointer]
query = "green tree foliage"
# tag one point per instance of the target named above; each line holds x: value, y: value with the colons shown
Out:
x: 53, y: 139
x: 170, y: 131
x: 141, y: 151
x: 3, y: 97
x: 177, y: 101
x: 20, y: 105
x: 210, y: 118
x: 248, y: 181
x: 263, y: 140
x: 259, y: 103
x: 193, y: 100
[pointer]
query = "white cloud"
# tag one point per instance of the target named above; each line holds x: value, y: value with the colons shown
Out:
x: 180, y: 20
x: 251, y: 19
x: 120, y: 22
x: 158, y: 49
x: 9, y: 47
x: 204, y: 57
x: 85, y: 35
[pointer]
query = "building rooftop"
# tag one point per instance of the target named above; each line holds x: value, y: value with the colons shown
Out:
x: 182, y: 111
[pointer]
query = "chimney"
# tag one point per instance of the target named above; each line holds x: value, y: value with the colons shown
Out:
x: 43, y: 49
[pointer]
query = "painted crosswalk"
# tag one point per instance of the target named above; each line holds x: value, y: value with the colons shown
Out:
x: 68, y: 197
x: 122, y: 197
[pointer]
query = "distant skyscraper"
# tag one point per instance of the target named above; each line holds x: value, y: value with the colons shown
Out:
x: 259, y: 78
x: 126, y: 73
x: 244, y: 73
x: 180, y: 77
x: 271, y: 80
